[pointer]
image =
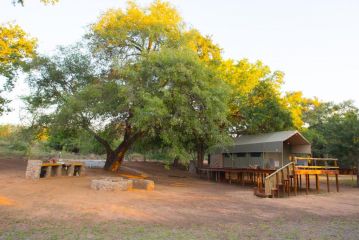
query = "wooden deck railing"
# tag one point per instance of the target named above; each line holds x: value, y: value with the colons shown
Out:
x: 316, y: 163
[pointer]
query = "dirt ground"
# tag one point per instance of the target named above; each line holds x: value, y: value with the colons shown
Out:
x: 181, y: 207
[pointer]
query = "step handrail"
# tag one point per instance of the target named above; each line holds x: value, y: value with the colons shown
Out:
x: 279, y: 169
x: 268, y: 186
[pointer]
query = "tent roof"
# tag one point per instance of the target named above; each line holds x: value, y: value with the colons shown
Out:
x: 272, y: 137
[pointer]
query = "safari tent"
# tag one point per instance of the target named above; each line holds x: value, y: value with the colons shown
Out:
x: 262, y: 151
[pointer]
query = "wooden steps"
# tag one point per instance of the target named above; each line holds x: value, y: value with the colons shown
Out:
x: 279, y: 183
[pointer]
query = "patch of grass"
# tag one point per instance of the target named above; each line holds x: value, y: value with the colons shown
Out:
x: 307, y: 227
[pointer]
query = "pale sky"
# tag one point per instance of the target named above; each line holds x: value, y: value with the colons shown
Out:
x: 315, y: 43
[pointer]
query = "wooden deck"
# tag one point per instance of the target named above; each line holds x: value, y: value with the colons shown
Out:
x: 288, y: 179
x: 284, y: 181
x: 234, y: 175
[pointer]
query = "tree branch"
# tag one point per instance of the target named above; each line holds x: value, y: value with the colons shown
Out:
x: 96, y: 136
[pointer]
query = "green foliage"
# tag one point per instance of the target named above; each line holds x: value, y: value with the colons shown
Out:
x: 3, y: 105
x: 255, y: 105
x: 72, y: 140
x: 169, y: 93
x: 18, y: 140
x: 192, y: 98
x: 11, y: 137
x: 263, y: 111
x: 333, y: 130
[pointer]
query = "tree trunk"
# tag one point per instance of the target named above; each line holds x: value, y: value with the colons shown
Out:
x: 119, y: 153
x: 200, y: 156
x: 110, y: 159
x: 119, y: 159
x: 358, y: 172
x: 114, y: 160
x: 175, y: 162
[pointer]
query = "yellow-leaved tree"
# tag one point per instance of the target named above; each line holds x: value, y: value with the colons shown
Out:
x: 207, y: 51
x: 16, y: 48
x: 135, y: 31
x: 255, y: 105
x: 129, y: 34
x: 298, y: 105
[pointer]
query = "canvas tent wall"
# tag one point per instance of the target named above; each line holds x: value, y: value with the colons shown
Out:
x: 267, y: 151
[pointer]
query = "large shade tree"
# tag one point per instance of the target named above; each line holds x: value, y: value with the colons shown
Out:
x: 123, y: 37
x: 169, y: 93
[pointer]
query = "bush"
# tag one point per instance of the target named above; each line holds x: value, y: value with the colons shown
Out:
x: 19, y: 146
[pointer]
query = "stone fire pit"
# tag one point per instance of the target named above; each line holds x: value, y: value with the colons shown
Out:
x: 112, y: 184
x: 121, y: 184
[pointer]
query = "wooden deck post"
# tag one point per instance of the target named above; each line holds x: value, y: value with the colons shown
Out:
x: 328, y: 187
x: 59, y: 170
x: 289, y: 186
x: 295, y: 184
x: 307, y: 184
x: 70, y: 170
x: 337, y: 182
x: 48, y: 171
x: 317, y: 182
